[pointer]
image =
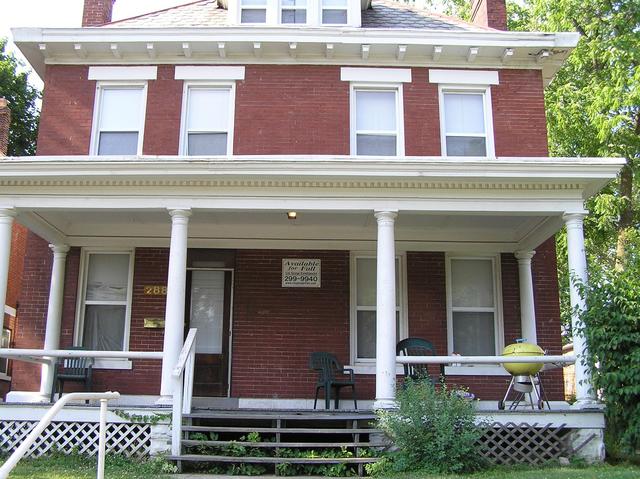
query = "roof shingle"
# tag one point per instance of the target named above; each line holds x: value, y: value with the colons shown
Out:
x: 382, y: 14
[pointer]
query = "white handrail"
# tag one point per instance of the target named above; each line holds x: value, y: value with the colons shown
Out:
x: 78, y: 353
x: 19, y: 453
x: 182, y: 379
x: 484, y: 359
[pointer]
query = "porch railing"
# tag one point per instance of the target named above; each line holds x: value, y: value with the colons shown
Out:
x: 19, y: 453
x: 485, y: 359
x: 182, y: 376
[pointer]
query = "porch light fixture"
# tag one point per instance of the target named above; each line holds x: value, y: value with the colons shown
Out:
x: 292, y: 215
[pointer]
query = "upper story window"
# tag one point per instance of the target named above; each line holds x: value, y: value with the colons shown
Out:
x: 293, y: 11
x: 465, y: 122
x: 334, y: 12
x: 119, y: 119
x: 253, y: 11
x: 377, y: 121
x: 473, y: 306
x: 207, y: 122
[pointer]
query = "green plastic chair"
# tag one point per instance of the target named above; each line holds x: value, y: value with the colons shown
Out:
x: 419, y: 347
x: 329, y: 369
x: 72, y: 369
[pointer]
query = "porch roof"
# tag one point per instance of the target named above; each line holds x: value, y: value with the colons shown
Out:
x: 501, y: 204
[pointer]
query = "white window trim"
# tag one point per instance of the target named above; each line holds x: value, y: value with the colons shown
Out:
x: 5, y: 376
x: 397, y: 87
x: 368, y: 366
x: 488, y: 115
x: 464, y: 77
x: 282, y: 8
x: 375, y: 75
x: 231, y: 86
x: 322, y: 8
x: 123, y: 73
x: 209, y: 73
x: 97, y: 106
x: 80, y: 304
x: 498, y: 311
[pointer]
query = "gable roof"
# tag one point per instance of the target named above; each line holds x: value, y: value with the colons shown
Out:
x: 382, y: 14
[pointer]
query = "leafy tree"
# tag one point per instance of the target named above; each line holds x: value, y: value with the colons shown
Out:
x: 22, y: 98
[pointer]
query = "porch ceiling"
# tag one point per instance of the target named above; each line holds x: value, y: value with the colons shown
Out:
x: 312, y: 229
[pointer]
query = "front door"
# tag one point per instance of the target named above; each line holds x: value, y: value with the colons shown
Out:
x: 209, y: 307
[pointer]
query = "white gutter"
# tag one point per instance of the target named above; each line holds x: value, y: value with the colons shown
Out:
x: 297, y: 34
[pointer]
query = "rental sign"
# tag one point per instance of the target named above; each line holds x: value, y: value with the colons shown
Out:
x: 300, y: 273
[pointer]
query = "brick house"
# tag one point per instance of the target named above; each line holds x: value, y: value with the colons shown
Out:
x: 176, y: 148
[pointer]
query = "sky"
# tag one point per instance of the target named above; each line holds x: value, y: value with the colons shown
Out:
x: 64, y: 13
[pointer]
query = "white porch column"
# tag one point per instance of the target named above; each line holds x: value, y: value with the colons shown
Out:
x: 6, y: 222
x: 527, y: 305
x: 54, y: 314
x: 578, y: 271
x: 174, y: 313
x: 386, y: 311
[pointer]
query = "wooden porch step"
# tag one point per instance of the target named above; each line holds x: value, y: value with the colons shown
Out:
x: 291, y: 445
x: 284, y: 415
x: 282, y: 430
x: 275, y: 460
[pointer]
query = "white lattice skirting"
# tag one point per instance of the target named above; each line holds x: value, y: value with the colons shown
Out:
x: 66, y: 437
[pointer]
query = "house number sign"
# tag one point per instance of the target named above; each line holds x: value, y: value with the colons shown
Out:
x: 154, y: 290
x: 300, y: 273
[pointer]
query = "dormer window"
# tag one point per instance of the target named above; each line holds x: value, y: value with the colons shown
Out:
x: 293, y: 11
x: 253, y: 11
x: 334, y: 12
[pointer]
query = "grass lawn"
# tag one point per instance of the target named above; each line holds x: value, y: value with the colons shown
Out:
x: 74, y: 467
x: 569, y: 472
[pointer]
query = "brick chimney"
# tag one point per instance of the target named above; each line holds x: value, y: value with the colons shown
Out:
x: 5, y: 120
x: 97, y: 12
x: 489, y: 13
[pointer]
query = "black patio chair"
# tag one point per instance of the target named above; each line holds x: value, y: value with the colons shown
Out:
x: 329, y: 371
x: 419, y: 372
x: 74, y: 369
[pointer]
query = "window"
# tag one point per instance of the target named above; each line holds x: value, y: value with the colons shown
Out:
x: 334, y: 12
x: 207, y: 120
x: 363, y: 302
x: 466, y: 122
x: 106, y: 299
x: 473, y: 306
x: 293, y: 11
x: 5, y: 342
x: 253, y: 11
x: 377, y: 116
x: 119, y: 120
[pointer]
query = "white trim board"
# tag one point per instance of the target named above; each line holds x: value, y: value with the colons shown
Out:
x: 402, y: 75
x: 190, y: 72
x: 464, y: 77
x: 123, y: 73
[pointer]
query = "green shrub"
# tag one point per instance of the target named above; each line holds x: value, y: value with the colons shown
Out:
x: 433, y: 430
x: 612, y: 329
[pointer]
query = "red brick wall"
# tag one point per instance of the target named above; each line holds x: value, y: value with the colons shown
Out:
x: 519, y: 121
x: 489, y: 13
x: 275, y: 328
x: 96, y: 12
x: 67, y: 111
x: 291, y: 110
x: 421, y: 115
x: 34, y: 297
x: 16, y: 263
x: 164, y: 107
x: 547, y: 302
